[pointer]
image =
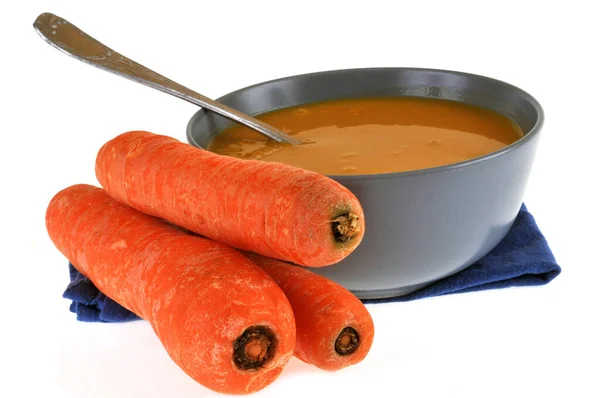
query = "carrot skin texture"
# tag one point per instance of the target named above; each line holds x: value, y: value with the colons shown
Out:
x: 269, y: 208
x: 198, y: 295
x: 322, y: 309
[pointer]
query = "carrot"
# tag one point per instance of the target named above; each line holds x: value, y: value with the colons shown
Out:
x: 222, y: 319
x: 333, y: 328
x: 269, y: 208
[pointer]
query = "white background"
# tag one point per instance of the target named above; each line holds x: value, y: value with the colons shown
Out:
x: 56, y: 113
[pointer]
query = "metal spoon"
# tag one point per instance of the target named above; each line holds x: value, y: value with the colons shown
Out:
x: 65, y: 36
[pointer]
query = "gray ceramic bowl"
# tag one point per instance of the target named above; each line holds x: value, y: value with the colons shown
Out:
x: 422, y: 225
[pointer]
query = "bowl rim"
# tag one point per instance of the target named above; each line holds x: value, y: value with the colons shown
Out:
x: 528, y: 136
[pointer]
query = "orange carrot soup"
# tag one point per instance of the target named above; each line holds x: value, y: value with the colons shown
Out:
x: 374, y: 135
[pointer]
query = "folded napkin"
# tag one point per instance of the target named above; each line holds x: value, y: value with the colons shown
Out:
x: 522, y: 258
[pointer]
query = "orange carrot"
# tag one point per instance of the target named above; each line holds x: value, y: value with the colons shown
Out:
x: 273, y: 209
x: 222, y: 319
x: 333, y: 328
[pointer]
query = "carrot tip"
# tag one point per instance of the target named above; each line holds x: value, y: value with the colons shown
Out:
x: 347, y: 341
x: 346, y: 227
x: 254, y: 348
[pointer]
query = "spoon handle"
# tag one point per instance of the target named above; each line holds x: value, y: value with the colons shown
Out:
x: 65, y: 36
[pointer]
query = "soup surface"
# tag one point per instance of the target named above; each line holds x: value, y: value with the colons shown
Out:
x: 373, y: 135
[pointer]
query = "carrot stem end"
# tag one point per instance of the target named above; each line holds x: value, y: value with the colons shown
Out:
x: 346, y: 227
x: 347, y: 341
x: 254, y: 348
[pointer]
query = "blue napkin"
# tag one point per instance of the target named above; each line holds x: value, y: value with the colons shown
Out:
x: 90, y: 304
x: 523, y: 258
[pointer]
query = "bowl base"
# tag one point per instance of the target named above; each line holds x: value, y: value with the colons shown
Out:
x: 388, y: 293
